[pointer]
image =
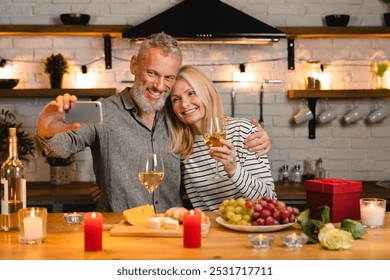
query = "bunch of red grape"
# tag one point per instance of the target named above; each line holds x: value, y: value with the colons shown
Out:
x: 260, y: 212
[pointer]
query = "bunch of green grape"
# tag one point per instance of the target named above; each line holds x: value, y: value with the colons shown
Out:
x: 235, y: 212
x: 259, y: 212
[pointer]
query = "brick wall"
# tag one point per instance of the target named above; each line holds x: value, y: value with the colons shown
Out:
x: 359, y: 151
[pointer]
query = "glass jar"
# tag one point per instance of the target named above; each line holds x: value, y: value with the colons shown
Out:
x: 320, y: 171
x: 314, y: 73
x: 285, y: 174
x: 296, y: 175
x: 308, y: 171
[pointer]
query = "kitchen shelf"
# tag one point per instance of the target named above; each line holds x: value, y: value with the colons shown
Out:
x: 337, y: 32
x: 63, y: 30
x: 93, y: 93
x: 313, y: 95
x: 116, y: 31
x: 339, y: 93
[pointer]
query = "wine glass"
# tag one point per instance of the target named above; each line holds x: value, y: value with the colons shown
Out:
x: 213, y: 131
x: 151, y: 173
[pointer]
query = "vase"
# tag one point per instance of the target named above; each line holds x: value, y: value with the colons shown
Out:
x: 56, y: 80
x: 59, y: 175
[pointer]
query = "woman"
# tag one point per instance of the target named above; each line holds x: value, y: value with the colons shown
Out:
x: 193, y: 98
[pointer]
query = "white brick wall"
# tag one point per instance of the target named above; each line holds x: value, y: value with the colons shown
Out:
x: 359, y: 151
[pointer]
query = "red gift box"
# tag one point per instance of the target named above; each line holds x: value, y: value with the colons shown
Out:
x: 342, y: 196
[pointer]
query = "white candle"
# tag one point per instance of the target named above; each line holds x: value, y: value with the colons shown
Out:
x: 373, y: 215
x: 33, y: 227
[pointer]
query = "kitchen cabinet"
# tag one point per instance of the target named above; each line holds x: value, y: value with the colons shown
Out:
x: 93, y: 93
x: 72, y: 197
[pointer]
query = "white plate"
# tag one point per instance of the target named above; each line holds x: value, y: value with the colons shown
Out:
x: 222, y: 222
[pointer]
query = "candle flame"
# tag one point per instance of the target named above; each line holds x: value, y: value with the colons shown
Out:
x: 32, y: 215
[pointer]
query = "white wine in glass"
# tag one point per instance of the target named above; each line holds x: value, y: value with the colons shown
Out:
x: 151, y: 173
x: 213, y: 131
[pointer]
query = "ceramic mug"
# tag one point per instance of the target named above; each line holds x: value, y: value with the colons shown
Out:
x: 327, y: 115
x: 303, y: 115
x: 378, y: 115
x: 353, y: 115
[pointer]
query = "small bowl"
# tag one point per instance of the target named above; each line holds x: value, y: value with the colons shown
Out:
x: 75, y: 19
x: 8, y: 83
x: 74, y: 218
x: 337, y: 20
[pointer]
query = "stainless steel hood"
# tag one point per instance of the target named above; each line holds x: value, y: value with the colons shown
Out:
x: 206, y: 20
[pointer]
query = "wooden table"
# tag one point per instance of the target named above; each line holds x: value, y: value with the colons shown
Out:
x: 67, y: 242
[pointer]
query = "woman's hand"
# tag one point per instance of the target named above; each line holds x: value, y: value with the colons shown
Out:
x: 226, y: 155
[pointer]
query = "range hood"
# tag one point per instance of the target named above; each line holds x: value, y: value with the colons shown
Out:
x: 206, y: 20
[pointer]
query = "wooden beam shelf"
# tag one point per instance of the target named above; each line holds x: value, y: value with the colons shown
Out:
x: 339, y: 93
x: 93, y: 93
x: 63, y: 30
x: 337, y: 32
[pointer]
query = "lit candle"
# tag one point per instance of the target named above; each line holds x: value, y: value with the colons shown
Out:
x: 372, y: 215
x: 261, y: 241
x: 293, y: 240
x: 192, y: 229
x: 93, y: 231
x: 33, y: 227
x: 73, y: 218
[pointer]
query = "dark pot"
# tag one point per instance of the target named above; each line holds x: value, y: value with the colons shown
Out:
x: 386, y: 17
x: 56, y: 80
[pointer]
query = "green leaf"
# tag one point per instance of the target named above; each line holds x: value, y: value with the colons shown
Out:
x: 325, y: 214
x: 354, y: 227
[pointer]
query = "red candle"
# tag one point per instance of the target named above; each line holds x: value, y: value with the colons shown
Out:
x: 93, y: 231
x: 192, y: 229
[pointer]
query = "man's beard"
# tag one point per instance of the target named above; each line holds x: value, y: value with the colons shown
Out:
x: 143, y: 103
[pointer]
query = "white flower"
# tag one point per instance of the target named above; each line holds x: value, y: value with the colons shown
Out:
x: 334, y: 239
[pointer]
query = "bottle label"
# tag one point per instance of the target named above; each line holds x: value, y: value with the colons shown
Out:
x: 4, y: 196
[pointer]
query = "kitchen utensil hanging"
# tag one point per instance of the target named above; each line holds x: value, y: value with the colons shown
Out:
x: 261, y: 120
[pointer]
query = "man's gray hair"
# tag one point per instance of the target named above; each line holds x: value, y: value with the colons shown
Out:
x: 166, y: 43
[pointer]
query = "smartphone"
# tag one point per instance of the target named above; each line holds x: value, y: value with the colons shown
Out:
x: 88, y: 112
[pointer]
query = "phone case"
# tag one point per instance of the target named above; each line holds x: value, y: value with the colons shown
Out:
x: 88, y: 112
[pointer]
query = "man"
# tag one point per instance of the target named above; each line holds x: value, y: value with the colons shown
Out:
x: 133, y: 124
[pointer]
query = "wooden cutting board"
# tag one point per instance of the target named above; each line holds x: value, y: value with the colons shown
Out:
x: 123, y: 228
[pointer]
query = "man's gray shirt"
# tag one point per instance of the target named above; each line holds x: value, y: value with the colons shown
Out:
x: 116, y: 146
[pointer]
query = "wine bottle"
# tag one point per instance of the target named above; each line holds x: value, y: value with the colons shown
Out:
x: 13, y: 186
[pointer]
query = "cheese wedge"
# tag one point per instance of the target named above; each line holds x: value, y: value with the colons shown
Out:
x: 157, y: 222
x: 171, y: 224
x: 139, y: 215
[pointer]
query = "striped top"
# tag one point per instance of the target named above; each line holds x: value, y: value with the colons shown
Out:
x: 252, y: 179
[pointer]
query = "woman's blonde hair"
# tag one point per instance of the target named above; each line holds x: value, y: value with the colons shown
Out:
x: 182, y: 136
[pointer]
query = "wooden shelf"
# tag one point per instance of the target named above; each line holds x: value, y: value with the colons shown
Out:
x: 93, y: 93
x: 339, y: 93
x: 337, y: 32
x: 116, y: 31
x: 63, y: 30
